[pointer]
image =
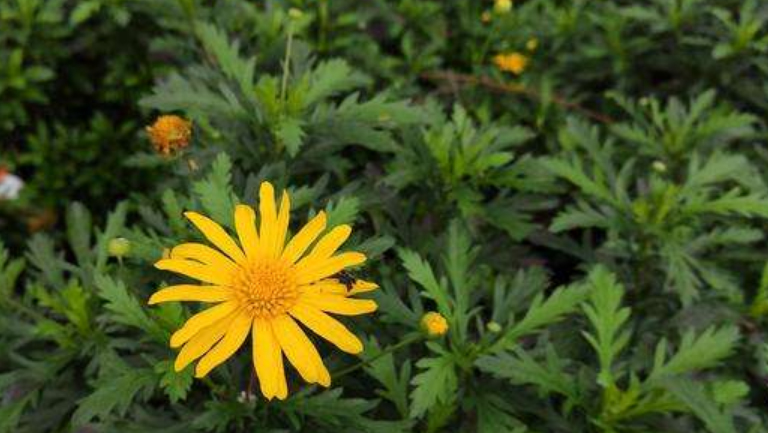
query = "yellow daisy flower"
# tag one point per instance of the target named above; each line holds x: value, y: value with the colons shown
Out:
x: 265, y: 286
x: 512, y: 62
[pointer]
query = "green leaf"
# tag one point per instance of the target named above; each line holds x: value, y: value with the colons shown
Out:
x: 125, y: 309
x: 494, y: 415
x: 421, y: 272
x: 115, y: 394
x: 79, y: 232
x: 384, y: 370
x: 175, y: 384
x: 342, y: 211
x: 435, y: 384
x: 331, y: 78
x: 215, y: 191
x: 543, y: 312
x: 520, y: 368
x: 608, y: 318
x: 696, y: 399
x: 289, y: 133
x: 696, y: 352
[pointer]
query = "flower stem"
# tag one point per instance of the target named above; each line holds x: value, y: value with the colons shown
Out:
x: 287, y: 61
x: 405, y: 342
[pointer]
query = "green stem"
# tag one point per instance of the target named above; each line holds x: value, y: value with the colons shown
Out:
x: 322, y: 12
x: 287, y: 61
x: 487, y: 43
x: 405, y: 342
x: 14, y: 304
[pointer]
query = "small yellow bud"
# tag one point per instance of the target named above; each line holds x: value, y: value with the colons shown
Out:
x: 434, y: 324
x: 493, y: 327
x: 502, y: 6
x: 659, y: 167
x: 295, y: 14
x: 485, y: 17
x: 170, y: 133
x: 119, y: 247
x: 532, y: 44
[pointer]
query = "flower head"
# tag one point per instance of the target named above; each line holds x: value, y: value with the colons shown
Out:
x: 434, y: 324
x: 502, y: 6
x: 532, y: 44
x: 485, y: 17
x: 170, y: 133
x: 512, y: 62
x: 264, y: 286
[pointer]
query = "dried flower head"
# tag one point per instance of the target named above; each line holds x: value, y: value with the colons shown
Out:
x: 170, y: 133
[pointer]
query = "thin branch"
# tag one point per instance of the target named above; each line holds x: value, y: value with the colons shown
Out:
x: 453, y: 77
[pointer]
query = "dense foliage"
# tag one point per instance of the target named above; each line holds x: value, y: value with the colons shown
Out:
x: 576, y: 186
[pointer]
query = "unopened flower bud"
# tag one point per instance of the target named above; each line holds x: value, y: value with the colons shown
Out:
x: 493, y: 327
x: 434, y: 324
x: 119, y: 247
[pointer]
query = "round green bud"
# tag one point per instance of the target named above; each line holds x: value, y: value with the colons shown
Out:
x: 119, y: 247
x: 493, y: 327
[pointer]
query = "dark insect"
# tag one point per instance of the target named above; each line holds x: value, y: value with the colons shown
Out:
x: 346, y: 278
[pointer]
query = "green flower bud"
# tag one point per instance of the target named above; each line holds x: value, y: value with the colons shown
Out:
x: 119, y: 247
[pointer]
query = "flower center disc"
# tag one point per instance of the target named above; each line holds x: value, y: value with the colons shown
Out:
x: 266, y: 289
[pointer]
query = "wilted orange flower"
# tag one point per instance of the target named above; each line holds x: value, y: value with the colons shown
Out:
x: 511, y: 62
x: 170, y: 133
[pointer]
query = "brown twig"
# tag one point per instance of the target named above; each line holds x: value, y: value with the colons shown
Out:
x: 453, y: 78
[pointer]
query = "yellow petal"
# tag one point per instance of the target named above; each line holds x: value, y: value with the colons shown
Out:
x: 196, y: 270
x: 304, y: 238
x: 300, y: 351
x: 200, y: 343
x: 234, y: 338
x: 203, y: 254
x: 327, y: 327
x: 268, y: 215
x: 190, y: 292
x: 324, y: 286
x: 362, y: 286
x: 201, y: 320
x: 317, y: 270
x: 281, y: 227
x: 339, y: 304
x: 217, y: 235
x: 245, y: 225
x: 331, y: 242
x: 268, y: 361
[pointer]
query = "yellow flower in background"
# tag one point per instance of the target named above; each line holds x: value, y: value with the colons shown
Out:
x: 434, y: 324
x: 485, y: 17
x: 264, y: 286
x: 170, y: 133
x: 502, y: 6
x: 512, y: 62
x: 532, y: 44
